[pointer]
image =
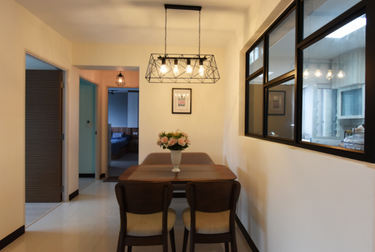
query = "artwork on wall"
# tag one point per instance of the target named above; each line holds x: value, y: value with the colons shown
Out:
x: 276, y: 102
x: 181, y: 100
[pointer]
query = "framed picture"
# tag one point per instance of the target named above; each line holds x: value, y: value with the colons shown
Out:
x: 276, y: 102
x: 181, y: 100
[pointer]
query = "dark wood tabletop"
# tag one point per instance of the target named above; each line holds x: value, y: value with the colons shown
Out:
x: 189, y: 172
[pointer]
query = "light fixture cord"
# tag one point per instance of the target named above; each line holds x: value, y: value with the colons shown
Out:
x: 165, y: 39
x: 199, y: 46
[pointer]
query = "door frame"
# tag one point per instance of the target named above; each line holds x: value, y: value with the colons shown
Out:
x: 64, y: 170
x: 97, y: 128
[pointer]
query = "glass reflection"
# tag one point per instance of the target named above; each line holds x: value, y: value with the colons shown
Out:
x: 256, y: 58
x: 255, y: 98
x: 281, y: 110
x: 282, y: 48
x: 318, y: 13
x: 333, y: 103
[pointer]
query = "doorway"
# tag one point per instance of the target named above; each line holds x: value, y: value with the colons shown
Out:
x: 43, y: 138
x: 87, y: 132
x: 123, y: 133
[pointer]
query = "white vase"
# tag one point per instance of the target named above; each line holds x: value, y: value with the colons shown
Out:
x: 176, y: 160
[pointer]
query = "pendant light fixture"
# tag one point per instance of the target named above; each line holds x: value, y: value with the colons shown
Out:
x: 182, y: 68
x: 120, y: 80
x: 341, y: 73
x: 329, y: 75
x: 318, y: 73
x: 306, y: 73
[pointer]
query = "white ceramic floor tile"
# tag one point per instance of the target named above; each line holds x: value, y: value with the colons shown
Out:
x: 84, y: 182
x: 34, y: 211
x: 90, y: 223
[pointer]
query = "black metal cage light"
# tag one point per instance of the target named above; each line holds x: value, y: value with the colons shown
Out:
x: 185, y: 68
x: 120, y: 80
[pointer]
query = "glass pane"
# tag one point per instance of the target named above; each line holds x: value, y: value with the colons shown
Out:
x: 318, y: 13
x: 255, y: 97
x: 256, y: 58
x: 281, y: 110
x: 334, y: 89
x: 282, y: 48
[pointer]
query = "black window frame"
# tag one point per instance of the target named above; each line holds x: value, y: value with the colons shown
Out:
x: 364, y: 7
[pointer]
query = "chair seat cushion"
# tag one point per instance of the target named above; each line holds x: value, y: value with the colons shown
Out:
x: 208, y: 223
x: 148, y: 224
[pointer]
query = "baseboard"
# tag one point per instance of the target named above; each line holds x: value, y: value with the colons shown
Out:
x: 73, y: 194
x: 87, y: 175
x: 246, y: 235
x: 102, y: 176
x: 12, y: 237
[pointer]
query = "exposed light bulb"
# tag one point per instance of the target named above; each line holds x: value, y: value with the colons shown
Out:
x: 120, y: 80
x: 163, y: 68
x: 188, y: 68
x: 201, y: 71
x: 306, y: 73
x: 175, y: 69
x: 329, y: 75
x: 318, y: 73
x: 341, y: 74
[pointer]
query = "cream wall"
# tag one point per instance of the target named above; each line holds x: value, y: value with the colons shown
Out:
x: 292, y: 199
x: 204, y: 125
x: 21, y: 32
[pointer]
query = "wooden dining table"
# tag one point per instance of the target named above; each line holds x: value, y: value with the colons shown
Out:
x: 189, y: 172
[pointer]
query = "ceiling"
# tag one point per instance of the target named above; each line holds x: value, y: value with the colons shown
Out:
x: 141, y: 22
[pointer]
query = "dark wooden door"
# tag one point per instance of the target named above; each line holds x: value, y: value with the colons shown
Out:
x: 43, y: 135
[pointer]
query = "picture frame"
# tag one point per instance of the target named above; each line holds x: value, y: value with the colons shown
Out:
x: 276, y: 102
x: 181, y: 100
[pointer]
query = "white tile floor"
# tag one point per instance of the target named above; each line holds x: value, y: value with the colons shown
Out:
x: 83, y: 182
x: 90, y: 223
x: 34, y: 211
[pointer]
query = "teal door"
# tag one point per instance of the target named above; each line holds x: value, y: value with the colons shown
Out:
x: 87, y: 128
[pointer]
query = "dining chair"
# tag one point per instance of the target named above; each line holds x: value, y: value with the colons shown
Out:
x: 211, y: 215
x: 145, y: 215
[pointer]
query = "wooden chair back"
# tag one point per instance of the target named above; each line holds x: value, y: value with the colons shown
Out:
x: 213, y: 196
x: 144, y: 197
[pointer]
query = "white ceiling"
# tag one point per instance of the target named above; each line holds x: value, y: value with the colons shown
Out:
x: 141, y: 22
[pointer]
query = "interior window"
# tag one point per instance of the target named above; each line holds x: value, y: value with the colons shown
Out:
x: 255, y: 107
x: 317, y: 13
x: 282, y: 48
x: 334, y: 88
x: 281, y: 110
x: 255, y: 58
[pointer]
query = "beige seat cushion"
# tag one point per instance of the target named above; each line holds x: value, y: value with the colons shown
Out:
x: 208, y: 223
x: 148, y: 224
